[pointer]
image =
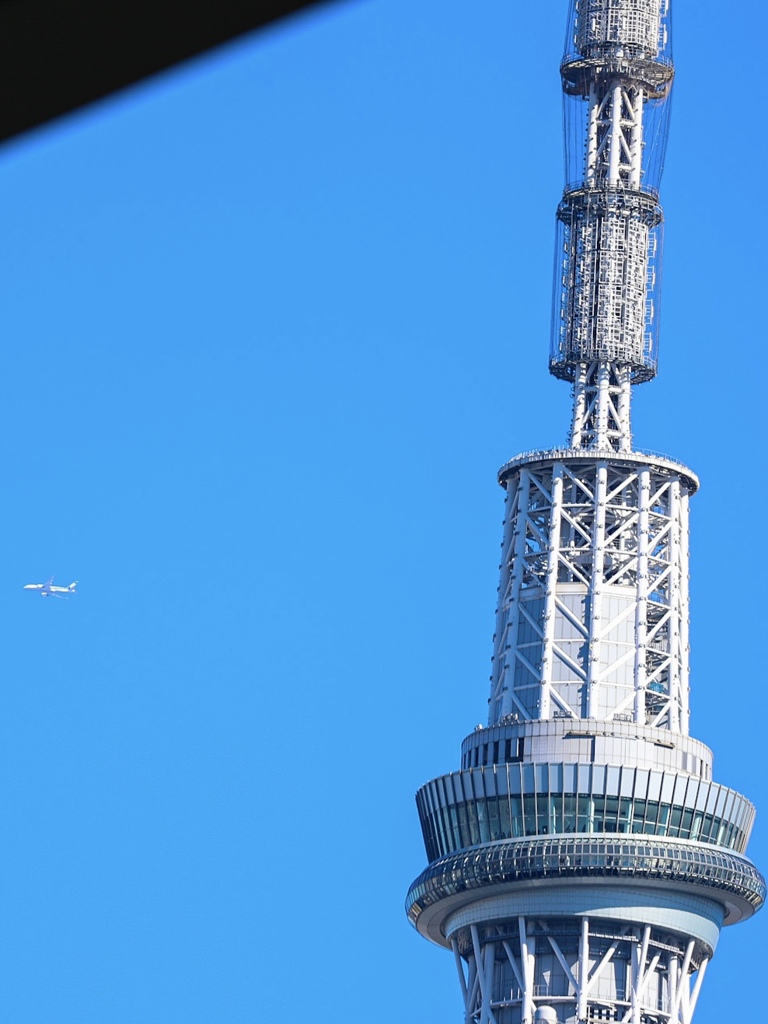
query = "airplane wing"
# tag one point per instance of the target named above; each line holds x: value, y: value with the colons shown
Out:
x: 46, y: 588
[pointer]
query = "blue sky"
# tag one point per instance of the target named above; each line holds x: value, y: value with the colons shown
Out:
x: 270, y: 324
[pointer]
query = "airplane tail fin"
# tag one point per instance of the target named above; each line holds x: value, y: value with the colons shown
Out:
x: 72, y: 586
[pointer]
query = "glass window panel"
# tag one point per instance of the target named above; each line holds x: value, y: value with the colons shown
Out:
x: 464, y: 832
x: 625, y: 815
x: 482, y: 820
x: 428, y: 830
x: 586, y: 814
x: 529, y: 814
x: 455, y: 829
x: 494, y: 825
x: 685, y: 823
x: 517, y: 815
x: 664, y: 811
x: 696, y: 827
x: 444, y: 835
x: 675, y: 818
x: 611, y: 819
x: 598, y: 824
x: 504, y: 819
x: 556, y: 813
x: 638, y: 815
x: 474, y: 829
x: 542, y: 818
x: 651, y: 816
x: 569, y: 812
x: 452, y: 834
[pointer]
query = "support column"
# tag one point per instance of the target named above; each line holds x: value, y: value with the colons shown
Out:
x: 674, y: 607
x: 550, y: 592
x: 579, y: 406
x: 623, y: 407
x: 641, y: 607
x: 592, y: 135
x: 581, y: 995
x: 636, y: 140
x: 684, y: 642
x: 596, y: 589
x: 507, y: 637
x: 614, y: 152
x: 528, y: 963
x: 601, y: 411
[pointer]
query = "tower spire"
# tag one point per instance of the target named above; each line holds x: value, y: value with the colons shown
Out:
x: 617, y: 75
x: 582, y: 861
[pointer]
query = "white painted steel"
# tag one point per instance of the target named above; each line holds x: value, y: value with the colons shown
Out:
x: 601, y: 407
x: 636, y: 23
x: 603, y: 307
x: 596, y: 971
x: 592, y: 618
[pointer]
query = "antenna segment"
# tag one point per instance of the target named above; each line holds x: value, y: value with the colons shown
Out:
x: 617, y: 74
x: 583, y: 860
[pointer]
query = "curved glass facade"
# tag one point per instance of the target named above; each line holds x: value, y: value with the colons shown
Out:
x: 484, y: 805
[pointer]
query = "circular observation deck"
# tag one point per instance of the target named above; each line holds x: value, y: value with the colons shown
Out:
x: 684, y: 886
x: 663, y: 464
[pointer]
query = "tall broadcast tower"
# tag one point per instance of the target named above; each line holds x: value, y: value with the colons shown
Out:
x: 583, y: 861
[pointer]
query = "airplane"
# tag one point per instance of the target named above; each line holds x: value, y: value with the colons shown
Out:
x: 48, y: 589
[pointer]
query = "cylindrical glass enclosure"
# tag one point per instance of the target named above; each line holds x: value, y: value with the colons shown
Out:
x: 599, y: 28
x: 607, y: 283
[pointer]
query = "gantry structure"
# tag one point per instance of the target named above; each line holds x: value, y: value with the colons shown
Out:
x: 583, y: 861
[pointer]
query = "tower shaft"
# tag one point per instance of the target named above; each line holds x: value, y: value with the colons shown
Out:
x: 592, y: 619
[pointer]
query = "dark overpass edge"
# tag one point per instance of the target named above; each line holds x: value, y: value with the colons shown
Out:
x: 57, y: 56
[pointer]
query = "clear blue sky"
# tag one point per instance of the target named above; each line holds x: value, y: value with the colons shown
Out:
x: 270, y: 324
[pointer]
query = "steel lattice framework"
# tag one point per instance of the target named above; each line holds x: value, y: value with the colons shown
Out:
x: 583, y: 860
x: 593, y: 613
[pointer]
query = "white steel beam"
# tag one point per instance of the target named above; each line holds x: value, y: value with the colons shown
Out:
x: 550, y: 592
x: 526, y: 956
